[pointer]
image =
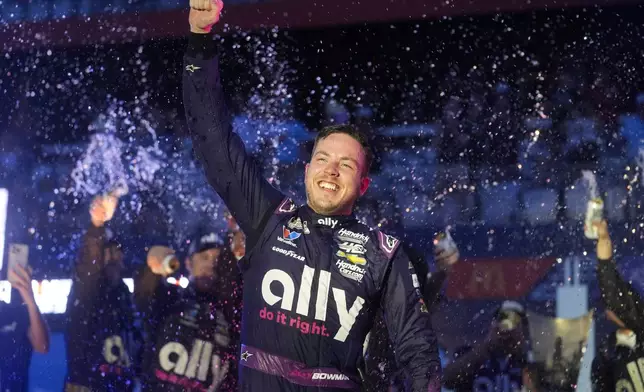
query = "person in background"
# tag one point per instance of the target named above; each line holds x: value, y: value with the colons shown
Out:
x: 501, y: 361
x: 22, y: 331
x: 380, y: 372
x: 618, y: 365
x: 192, y: 334
x: 609, y: 351
x: 632, y: 128
x: 101, y: 338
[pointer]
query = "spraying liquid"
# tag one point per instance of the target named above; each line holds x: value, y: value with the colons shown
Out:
x: 594, y: 208
x: 639, y: 160
x: 591, y: 183
x: 126, y: 157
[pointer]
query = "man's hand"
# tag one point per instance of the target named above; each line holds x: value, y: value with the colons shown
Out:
x: 604, y: 244
x: 238, y: 244
x: 155, y: 258
x: 102, y: 209
x: 38, y: 334
x: 20, y: 279
x: 238, y: 239
x: 445, y: 260
x: 231, y: 222
x: 204, y: 14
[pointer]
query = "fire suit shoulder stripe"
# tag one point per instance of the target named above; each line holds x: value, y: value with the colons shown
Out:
x: 286, y: 207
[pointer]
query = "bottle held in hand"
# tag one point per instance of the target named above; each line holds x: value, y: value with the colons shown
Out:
x: 594, y: 213
x: 170, y: 265
x: 162, y: 260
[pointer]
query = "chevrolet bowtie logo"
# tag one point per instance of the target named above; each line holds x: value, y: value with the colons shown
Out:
x: 245, y: 355
x: 191, y: 68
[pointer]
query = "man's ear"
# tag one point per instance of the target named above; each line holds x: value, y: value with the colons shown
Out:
x: 364, y: 185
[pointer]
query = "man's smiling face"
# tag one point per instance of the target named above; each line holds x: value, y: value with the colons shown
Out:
x: 335, y: 177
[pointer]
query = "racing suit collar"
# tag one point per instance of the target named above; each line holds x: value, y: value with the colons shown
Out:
x: 331, y: 221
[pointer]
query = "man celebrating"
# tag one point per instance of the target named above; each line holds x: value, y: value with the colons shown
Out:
x: 622, y: 370
x: 191, y: 333
x: 101, y: 339
x: 314, y: 276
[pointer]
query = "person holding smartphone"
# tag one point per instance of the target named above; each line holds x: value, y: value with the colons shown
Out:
x: 22, y: 331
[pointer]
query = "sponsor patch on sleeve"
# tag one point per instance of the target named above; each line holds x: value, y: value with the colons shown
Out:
x: 388, y: 244
x: 416, y: 284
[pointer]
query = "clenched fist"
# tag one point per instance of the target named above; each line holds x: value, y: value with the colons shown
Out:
x: 604, y: 244
x: 238, y: 244
x: 204, y: 14
x: 102, y: 209
x: 162, y: 260
x: 445, y: 259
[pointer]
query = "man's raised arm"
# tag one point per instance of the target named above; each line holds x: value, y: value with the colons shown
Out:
x: 232, y: 173
x: 617, y: 294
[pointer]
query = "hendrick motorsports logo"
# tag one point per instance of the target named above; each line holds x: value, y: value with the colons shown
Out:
x: 347, y: 235
x: 350, y: 270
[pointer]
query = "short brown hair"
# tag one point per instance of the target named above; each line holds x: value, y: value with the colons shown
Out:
x: 355, y: 133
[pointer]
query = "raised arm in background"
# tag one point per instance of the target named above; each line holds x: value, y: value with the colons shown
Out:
x: 618, y: 295
x: 38, y: 332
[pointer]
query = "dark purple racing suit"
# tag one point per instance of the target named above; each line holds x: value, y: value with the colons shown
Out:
x: 312, y: 283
